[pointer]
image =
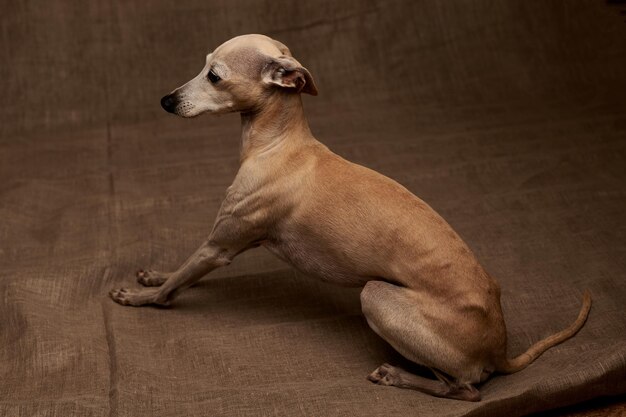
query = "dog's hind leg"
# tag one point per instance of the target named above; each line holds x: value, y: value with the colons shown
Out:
x: 395, y: 314
x: 444, y: 387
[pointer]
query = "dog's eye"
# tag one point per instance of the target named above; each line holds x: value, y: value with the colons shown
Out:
x: 213, y: 77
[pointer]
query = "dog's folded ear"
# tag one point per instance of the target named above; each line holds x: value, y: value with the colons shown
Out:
x: 286, y: 72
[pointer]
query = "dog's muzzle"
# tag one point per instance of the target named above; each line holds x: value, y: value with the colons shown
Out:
x: 169, y: 103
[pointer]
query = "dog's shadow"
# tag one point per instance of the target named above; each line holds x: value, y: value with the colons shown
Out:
x: 282, y: 295
x: 286, y: 297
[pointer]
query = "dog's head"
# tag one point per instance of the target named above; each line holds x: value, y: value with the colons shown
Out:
x: 239, y: 76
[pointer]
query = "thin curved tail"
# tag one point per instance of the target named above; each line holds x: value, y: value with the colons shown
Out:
x: 509, y: 366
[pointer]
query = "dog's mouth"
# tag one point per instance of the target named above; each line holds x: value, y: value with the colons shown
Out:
x: 185, y: 109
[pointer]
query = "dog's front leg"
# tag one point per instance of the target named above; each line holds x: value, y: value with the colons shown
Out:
x: 152, y: 278
x: 238, y: 227
x: 208, y: 257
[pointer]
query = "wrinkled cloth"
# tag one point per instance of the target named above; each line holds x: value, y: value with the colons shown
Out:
x: 507, y: 117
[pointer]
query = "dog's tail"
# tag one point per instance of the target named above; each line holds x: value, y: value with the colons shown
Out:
x: 509, y: 366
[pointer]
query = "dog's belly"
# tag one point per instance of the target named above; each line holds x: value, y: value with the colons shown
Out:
x: 316, y: 262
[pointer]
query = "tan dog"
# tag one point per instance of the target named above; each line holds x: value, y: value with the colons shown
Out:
x: 424, y: 291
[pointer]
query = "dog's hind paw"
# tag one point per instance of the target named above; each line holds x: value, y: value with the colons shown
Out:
x: 385, y: 374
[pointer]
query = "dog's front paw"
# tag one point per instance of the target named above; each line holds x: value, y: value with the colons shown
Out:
x: 120, y: 296
x: 140, y: 297
x: 150, y: 278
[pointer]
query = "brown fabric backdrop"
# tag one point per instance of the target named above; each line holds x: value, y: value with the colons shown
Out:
x: 508, y: 117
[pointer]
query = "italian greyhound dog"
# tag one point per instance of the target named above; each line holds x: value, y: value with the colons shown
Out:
x: 423, y: 292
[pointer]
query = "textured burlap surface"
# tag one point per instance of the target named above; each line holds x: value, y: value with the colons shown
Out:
x: 508, y: 117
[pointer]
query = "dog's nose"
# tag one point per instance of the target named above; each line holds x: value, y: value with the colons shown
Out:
x: 169, y: 103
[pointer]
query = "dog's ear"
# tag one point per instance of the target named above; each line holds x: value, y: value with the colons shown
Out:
x: 286, y: 72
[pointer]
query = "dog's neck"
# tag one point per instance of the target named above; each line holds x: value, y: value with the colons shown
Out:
x: 281, y: 122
